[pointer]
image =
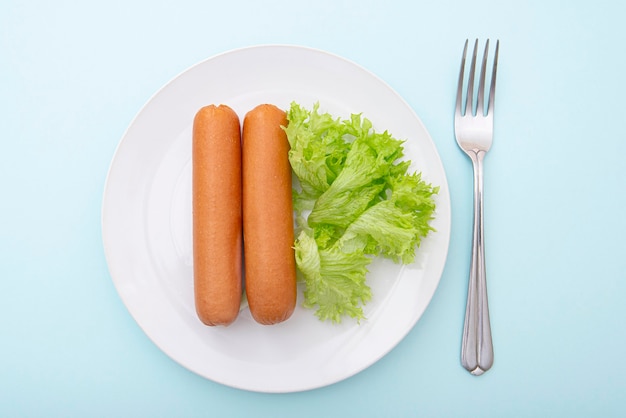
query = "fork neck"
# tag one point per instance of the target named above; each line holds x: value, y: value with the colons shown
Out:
x: 477, y: 158
x: 476, y: 155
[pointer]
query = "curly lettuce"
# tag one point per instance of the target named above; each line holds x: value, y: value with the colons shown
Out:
x: 356, y: 200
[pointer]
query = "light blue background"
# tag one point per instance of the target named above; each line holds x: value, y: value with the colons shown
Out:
x: 73, y: 74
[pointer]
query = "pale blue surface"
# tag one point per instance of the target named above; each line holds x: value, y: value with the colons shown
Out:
x: 73, y: 75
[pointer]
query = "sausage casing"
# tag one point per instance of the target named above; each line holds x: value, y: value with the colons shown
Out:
x: 270, y: 269
x: 217, y: 214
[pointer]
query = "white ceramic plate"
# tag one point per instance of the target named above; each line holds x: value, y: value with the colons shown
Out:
x: 146, y: 222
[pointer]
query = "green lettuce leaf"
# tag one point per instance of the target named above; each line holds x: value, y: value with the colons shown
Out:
x: 317, y: 153
x: 335, y: 280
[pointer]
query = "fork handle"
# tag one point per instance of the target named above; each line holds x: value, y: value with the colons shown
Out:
x: 477, y: 347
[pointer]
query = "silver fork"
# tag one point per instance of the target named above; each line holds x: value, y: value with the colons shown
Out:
x: 473, y: 128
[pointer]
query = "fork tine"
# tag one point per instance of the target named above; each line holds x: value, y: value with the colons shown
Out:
x: 492, y: 88
x: 469, y: 105
x: 480, y: 105
x: 459, y: 90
